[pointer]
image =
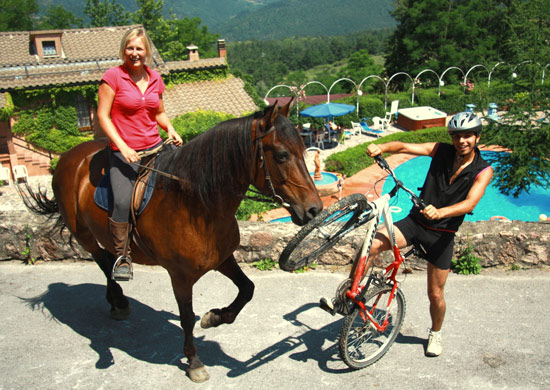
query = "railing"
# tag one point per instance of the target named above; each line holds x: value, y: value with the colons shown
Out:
x: 23, y: 143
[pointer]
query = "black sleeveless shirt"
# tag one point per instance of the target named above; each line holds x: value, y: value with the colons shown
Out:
x: 438, y: 192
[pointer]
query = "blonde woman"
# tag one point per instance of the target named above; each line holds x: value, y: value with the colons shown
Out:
x: 130, y: 110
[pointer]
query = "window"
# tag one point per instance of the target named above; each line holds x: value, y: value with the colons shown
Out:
x: 83, y: 113
x: 48, y: 47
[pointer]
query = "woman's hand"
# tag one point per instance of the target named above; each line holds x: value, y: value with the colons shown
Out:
x: 129, y: 154
x: 173, y: 135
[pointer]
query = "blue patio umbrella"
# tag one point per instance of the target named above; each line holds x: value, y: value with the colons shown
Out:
x: 327, y: 110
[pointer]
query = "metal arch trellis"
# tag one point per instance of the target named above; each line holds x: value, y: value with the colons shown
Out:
x: 388, y: 83
x: 413, y: 81
x: 469, y: 70
x: 360, y: 92
x: 416, y: 79
x: 441, y: 82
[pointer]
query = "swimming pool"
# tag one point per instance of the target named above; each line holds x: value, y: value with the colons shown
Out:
x: 527, y: 207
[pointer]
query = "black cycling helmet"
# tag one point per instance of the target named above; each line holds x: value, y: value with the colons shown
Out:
x: 464, y: 122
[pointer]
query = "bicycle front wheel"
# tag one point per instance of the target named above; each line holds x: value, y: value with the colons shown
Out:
x: 361, y: 344
x: 322, y: 232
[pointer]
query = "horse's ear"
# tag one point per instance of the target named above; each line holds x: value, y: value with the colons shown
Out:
x: 270, y: 113
x: 285, y: 110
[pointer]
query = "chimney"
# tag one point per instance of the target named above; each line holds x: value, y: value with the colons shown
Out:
x: 222, y: 53
x: 193, y: 53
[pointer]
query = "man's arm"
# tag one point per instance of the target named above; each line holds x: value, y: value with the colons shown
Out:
x: 424, y: 149
x: 467, y: 205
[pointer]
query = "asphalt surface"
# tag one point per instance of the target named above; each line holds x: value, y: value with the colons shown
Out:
x: 56, y: 333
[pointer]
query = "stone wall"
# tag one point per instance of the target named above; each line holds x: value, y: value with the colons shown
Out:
x: 24, y: 235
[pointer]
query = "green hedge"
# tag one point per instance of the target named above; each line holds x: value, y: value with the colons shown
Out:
x: 191, y: 124
x: 353, y: 160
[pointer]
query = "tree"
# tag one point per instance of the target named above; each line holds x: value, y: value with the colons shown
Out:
x: 106, y: 13
x: 528, y: 139
x: 437, y: 34
x: 149, y: 14
x: 360, y: 65
x: 173, y: 36
x: 58, y: 17
x: 519, y: 130
x: 17, y: 15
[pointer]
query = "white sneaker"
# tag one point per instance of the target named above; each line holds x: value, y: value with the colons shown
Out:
x: 434, y: 344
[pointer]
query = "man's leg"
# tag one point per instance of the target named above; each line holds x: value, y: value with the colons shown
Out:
x: 380, y: 244
x: 436, y: 285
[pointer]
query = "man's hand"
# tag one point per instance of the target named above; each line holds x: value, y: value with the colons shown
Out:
x: 431, y: 213
x: 374, y: 150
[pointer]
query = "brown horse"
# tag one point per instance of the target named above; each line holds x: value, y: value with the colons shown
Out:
x: 189, y: 225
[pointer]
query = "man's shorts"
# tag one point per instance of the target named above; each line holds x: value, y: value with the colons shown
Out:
x: 438, y: 245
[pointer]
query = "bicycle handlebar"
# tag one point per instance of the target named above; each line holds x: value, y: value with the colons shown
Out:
x: 398, y: 183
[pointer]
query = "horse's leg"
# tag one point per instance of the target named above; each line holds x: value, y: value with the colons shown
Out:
x: 228, y: 314
x: 183, y: 290
x: 120, y: 307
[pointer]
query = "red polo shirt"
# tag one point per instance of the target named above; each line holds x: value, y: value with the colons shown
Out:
x: 134, y: 113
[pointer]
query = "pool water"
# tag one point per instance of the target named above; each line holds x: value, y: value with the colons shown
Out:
x: 526, y: 207
x: 326, y: 178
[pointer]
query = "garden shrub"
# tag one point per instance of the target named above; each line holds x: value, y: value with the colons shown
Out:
x: 371, y: 106
x: 353, y: 160
x: 191, y: 124
x: 65, y: 119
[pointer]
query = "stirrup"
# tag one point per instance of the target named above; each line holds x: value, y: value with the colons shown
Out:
x: 122, y: 269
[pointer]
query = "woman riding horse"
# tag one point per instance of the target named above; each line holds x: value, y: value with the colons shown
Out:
x: 130, y: 109
x: 189, y: 225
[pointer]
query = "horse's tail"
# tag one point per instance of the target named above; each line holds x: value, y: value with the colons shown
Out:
x: 39, y: 203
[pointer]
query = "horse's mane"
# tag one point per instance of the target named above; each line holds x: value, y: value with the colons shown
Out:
x: 218, y: 161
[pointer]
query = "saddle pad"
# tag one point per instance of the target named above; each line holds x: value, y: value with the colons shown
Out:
x: 103, y: 195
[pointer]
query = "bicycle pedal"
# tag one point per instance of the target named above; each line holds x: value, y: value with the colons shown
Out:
x: 326, y: 306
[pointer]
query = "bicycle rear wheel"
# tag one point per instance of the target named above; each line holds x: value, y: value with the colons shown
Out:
x: 361, y: 344
x: 322, y: 232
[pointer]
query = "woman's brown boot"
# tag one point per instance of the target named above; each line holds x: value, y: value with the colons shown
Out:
x: 122, y: 269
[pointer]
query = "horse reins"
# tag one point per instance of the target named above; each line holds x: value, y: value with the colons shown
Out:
x: 259, y: 150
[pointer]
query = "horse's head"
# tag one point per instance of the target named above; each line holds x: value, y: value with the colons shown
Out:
x: 280, y: 169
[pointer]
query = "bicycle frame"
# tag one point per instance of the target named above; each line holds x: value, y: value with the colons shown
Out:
x: 381, y: 208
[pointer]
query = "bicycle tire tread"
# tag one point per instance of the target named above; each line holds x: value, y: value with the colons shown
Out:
x: 354, y: 199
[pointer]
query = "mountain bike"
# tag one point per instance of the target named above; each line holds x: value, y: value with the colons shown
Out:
x: 372, y: 303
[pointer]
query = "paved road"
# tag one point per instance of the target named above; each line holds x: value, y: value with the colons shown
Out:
x: 56, y: 333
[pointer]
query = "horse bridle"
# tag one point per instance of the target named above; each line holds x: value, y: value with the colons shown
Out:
x: 259, y: 150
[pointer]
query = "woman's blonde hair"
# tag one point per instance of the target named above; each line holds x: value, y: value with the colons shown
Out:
x: 138, y: 32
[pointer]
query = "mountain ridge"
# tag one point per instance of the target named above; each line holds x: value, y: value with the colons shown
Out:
x: 239, y: 20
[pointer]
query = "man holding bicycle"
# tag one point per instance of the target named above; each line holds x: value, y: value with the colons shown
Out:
x: 455, y: 183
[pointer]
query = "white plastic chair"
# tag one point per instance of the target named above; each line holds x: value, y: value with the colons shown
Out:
x: 390, y: 115
x: 320, y: 140
x: 20, y: 173
x: 378, y: 123
x: 356, y: 128
x: 5, y: 174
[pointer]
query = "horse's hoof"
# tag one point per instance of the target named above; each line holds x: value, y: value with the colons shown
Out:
x: 210, y: 320
x: 120, y: 314
x: 198, y: 375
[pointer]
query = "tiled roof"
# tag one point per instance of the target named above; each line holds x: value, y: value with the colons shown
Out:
x: 203, y: 63
x: 225, y: 95
x: 310, y: 99
x: 86, y: 54
x: 78, y: 45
